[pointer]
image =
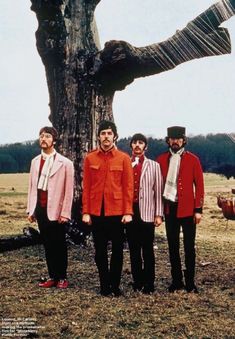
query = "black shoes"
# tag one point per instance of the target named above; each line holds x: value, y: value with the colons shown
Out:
x: 116, y: 292
x: 192, y: 289
x: 137, y: 287
x: 145, y: 289
x: 176, y: 287
x: 105, y: 292
x: 148, y: 289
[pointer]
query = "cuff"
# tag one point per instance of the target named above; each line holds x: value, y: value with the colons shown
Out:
x: 198, y: 210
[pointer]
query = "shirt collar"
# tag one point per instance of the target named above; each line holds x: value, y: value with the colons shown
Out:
x: 111, y: 151
x: 141, y: 159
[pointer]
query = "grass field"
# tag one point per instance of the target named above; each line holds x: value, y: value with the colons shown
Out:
x: 79, y: 311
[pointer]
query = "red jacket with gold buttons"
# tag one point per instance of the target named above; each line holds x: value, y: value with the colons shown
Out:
x: 108, y: 178
x: 190, y: 185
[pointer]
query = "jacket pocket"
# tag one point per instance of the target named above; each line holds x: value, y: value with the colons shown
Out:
x: 116, y: 175
x: 117, y: 195
x: 116, y: 168
x: 95, y: 167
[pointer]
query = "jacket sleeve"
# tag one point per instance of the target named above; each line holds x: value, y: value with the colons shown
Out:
x: 128, y: 186
x: 199, y: 186
x: 69, y: 188
x: 86, y: 187
x: 158, y: 191
x: 29, y: 188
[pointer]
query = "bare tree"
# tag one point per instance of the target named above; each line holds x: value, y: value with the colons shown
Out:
x: 82, y: 79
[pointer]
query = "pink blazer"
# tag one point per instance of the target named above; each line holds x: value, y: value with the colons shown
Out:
x: 60, y: 187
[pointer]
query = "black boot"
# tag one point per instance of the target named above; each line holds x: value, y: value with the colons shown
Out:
x: 189, y: 282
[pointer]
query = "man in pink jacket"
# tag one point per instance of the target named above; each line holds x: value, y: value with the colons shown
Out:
x: 183, y: 201
x: 50, y: 197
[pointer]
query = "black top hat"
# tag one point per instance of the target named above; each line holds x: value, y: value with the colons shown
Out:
x: 176, y: 132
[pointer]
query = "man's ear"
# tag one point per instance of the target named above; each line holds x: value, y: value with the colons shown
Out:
x: 115, y: 138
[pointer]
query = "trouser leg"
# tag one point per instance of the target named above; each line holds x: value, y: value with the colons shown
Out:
x: 54, y: 241
x: 173, y: 238
x: 100, y: 237
x: 189, y: 232
x: 148, y: 254
x: 134, y: 242
x: 116, y: 260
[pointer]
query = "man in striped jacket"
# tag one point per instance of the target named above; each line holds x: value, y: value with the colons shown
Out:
x: 148, y: 211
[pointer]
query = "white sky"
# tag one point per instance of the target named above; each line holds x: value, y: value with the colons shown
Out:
x: 198, y: 94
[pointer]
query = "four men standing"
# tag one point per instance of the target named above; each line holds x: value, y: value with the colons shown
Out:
x: 119, y: 195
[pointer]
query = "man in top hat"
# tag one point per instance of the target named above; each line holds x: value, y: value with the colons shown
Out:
x: 148, y: 212
x: 50, y: 197
x: 183, y: 201
x: 107, y: 204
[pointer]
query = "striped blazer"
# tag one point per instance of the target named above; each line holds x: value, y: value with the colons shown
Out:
x: 150, y: 192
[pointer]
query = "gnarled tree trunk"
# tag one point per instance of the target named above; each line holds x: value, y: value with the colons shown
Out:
x: 82, y: 79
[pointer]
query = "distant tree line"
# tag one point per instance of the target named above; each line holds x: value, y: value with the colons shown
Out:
x: 216, y: 152
x: 16, y: 158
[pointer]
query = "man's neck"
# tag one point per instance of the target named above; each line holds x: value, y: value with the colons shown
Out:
x: 137, y: 155
x: 106, y: 150
x: 48, y: 151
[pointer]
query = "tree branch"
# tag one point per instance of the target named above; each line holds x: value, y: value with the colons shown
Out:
x: 119, y: 63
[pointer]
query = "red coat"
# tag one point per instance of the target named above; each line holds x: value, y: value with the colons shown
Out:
x: 190, y: 185
x: 109, y: 177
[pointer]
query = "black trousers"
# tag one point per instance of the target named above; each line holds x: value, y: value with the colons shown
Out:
x: 140, y: 237
x: 173, y: 225
x: 107, y: 229
x: 54, y: 241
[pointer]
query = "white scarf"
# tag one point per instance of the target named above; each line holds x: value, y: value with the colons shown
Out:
x: 170, y: 190
x: 46, y: 170
x: 135, y: 162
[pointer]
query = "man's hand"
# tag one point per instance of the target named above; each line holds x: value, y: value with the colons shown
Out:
x: 31, y: 218
x: 86, y: 218
x: 62, y: 220
x: 126, y: 218
x: 157, y: 221
x: 197, y: 218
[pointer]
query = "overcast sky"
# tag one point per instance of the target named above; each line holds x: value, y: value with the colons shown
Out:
x: 198, y: 94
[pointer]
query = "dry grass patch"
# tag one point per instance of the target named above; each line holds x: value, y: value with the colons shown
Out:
x: 79, y: 311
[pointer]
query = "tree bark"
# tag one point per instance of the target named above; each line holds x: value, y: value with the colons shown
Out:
x: 82, y: 79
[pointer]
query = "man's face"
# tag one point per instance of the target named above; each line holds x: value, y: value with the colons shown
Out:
x: 138, y: 148
x: 175, y: 144
x: 106, y: 139
x: 46, y: 142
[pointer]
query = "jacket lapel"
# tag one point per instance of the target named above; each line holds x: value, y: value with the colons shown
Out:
x: 37, y: 165
x: 144, y: 168
x: 57, y: 164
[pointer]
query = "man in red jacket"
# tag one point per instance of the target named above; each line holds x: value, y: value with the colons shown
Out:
x: 107, y: 204
x: 183, y: 200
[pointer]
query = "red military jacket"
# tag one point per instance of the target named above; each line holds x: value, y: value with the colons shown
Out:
x: 108, y: 179
x: 190, y: 185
